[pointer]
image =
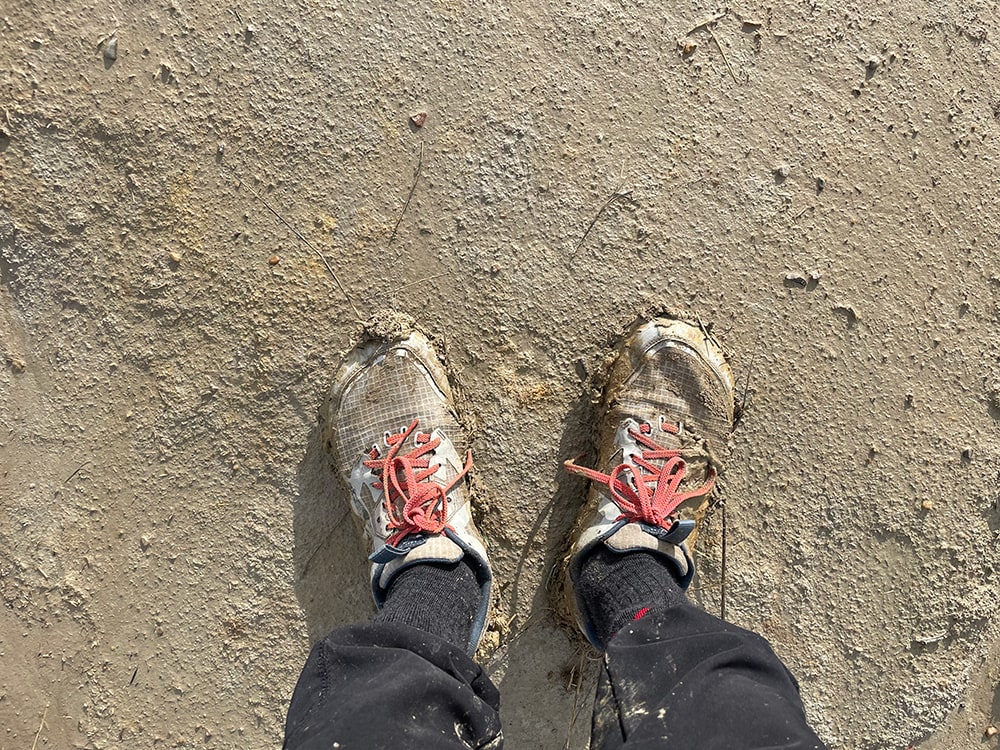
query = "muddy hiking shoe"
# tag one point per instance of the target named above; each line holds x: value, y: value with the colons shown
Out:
x: 668, y: 403
x: 391, y: 425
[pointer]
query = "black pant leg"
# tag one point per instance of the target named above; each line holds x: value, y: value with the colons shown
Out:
x: 374, y: 686
x: 687, y: 680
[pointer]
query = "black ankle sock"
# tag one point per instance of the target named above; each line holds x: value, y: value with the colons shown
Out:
x: 616, y: 588
x: 441, y: 598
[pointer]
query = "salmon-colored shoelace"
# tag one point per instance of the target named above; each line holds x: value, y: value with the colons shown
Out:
x: 652, y: 495
x: 413, y: 501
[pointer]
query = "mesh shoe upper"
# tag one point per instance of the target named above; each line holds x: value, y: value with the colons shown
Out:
x: 668, y: 403
x: 397, y: 444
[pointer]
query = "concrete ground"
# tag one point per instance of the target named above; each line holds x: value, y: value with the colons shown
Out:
x: 817, y: 180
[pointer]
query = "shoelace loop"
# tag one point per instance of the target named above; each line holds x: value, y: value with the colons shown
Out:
x: 652, y: 495
x: 413, y: 501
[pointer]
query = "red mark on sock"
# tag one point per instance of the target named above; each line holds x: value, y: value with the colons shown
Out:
x: 640, y: 614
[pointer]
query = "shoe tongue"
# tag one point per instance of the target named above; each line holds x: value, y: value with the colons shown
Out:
x: 632, y: 538
x: 438, y: 548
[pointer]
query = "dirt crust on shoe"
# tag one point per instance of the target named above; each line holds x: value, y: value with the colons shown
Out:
x: 387, y: 325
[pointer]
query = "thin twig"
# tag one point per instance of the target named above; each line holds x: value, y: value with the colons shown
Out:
x: 523, y: 556
x: 40, y: 725
x: 722, y: 52
x: 576, y: 709
x: 706, y: 333
x: 615, y: 195
x: 409, y: 196
x: 722, y: 601
x: 306, y: 242
x: 77, y: 471
x: 502, y: 651
x: 305, y: 567
x: 746, y: 390
x: 412, y: 283
x: 421, y: 281
x: 708, y: 22
x: 533, y: 620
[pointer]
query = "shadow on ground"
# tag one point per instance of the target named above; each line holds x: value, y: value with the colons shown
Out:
x: 331, y: 569
x: 542, y: 652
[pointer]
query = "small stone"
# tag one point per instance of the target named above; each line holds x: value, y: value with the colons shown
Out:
x: 273, y: 260
x: 165, y: 74
x: 796, y: 279
x: 991, y: 731
x: 110, y: 51
x: 144, y: 543
x: 418, y: 119
x: 927, y: 505
x: 781, y: 172
x: 175, y: 257
x: 967, y: 453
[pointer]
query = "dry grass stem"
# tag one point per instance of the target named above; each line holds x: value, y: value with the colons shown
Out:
x: 723, y: 53
x: 41, y: 725
x: 306, y: 242
x: 615, y: 195
x: 409, y: 196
